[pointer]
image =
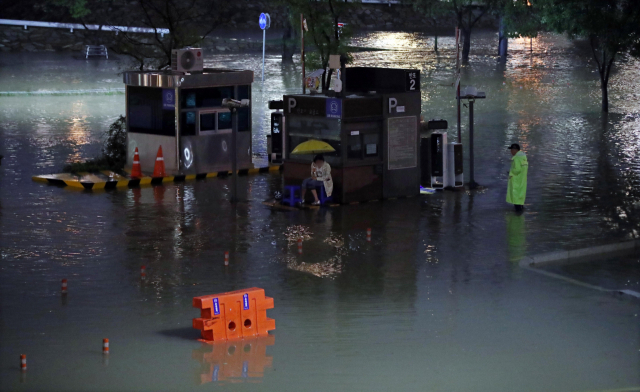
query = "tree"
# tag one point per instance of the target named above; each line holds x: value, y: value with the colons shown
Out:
x: 466, y: 12
x: 612, y: 27
x: 288, y: 36
x: 188, y: 21
x: 322, y: 18
x: 433, y: 10
x: 517, y: 19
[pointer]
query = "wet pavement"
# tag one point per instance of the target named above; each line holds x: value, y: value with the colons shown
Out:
x: 436, y: 301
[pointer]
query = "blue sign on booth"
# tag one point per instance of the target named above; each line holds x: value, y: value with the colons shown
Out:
x: 168, y: 99
x: 334, y: 108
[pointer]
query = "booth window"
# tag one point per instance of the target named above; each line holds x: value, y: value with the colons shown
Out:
x: 146, y: 114
x: 213, y: 121
x: 364, y: 140
x: 243, y: 92
x: 354, y: 149
x: 188, y: 123
x: 224, y: 120
x: 205, y: 97
x: 371, y: 145
x: 207, y: 122
x: 303, y: 128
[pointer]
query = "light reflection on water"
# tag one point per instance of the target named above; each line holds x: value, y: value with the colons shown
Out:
x: 433, y: 301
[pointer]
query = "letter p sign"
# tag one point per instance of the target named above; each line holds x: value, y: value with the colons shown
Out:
x: 392, y: 104
x: 292, y: 103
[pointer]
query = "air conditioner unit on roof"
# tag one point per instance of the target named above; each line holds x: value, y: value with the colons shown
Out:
x: 187, y: 60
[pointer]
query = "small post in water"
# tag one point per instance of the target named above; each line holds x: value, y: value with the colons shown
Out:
x: 143, y: 272
x: 299, y: 246
x: 369, y: 234
x: 23, y: 362
x: 105, y: 346
x: 64, y: 286
x: 226, y: 259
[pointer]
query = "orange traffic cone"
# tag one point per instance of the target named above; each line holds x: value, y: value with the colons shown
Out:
x: 136, y: 170
x: 158, y: 169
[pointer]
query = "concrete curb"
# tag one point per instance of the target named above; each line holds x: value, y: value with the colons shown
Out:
x: 96, y: 181
x: 567, y: 255
x: 530, y: 263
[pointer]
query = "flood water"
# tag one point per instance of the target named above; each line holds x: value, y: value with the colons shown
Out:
x: 436, y: 301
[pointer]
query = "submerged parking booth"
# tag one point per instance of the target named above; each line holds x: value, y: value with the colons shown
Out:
x: 373, y: 128
x: 183, y: 113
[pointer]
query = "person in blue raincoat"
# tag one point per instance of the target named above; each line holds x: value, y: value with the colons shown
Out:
x: 517, y: 188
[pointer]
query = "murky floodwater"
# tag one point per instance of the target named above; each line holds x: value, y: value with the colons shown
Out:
x: 433, y: 302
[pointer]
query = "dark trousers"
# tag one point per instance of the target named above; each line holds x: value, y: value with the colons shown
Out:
x: 519, y: 207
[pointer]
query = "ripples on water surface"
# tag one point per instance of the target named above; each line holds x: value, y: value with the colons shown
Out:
x: 433, y: 302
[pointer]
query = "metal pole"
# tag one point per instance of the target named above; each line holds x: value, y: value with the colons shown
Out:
x: 264, y: 40
x: 458, y: 79
x: 234, y: 155
x: 472, y: 181
x: 302, y: 51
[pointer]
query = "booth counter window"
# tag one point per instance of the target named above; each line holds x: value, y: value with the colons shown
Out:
x: 214, y: 121
x: 201, y: 108
x: 364, y: 140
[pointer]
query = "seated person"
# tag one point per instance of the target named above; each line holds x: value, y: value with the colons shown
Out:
x: 320, y: 176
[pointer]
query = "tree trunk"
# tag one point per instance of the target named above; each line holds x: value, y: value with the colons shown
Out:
x: 466, y: 46
x: 288, y: 43
x: 502, y: 41
x: 435, y: 45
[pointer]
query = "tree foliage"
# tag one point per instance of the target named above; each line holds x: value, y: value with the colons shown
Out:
x: 467, y: 13
x: 324, y: 34
x: 188, y: 21
x: 612, y: 27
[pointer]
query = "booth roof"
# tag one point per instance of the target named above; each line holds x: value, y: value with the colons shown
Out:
x: 209, y: 77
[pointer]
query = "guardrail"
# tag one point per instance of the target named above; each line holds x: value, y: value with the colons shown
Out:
x: 78, y: 26
x: 381, y: 2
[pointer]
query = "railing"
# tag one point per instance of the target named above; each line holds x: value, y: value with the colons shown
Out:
x: 78, y: 26
x: 381, y: 2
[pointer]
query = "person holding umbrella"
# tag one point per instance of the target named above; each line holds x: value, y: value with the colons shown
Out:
x: 320, y: 170
x: 320, y: 176
x: 517, y: 187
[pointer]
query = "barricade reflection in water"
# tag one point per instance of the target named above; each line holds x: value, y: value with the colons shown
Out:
x: 233, y: 361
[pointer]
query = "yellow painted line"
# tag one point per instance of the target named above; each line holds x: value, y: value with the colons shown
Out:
x: 122, y: 183
x: 39, y: 179
x: 253, y: 171
x: 274, y: 168
x: 167, y: 179
x: 98, y: 185
x: 145, y: 181
x: 210, y: 175
x: 190, y: 177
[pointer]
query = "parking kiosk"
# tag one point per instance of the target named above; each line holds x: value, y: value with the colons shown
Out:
x: 373, y: 128
x: 183, y: 113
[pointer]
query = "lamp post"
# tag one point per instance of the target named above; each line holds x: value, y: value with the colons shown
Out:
x: 233, y: 105
x: 471, y: 94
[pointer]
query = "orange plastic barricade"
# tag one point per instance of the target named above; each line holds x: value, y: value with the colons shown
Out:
x: 234, y: 315
x: 233, y: 361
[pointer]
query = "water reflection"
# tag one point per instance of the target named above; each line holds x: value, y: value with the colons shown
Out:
x: 233, y: 361
x: 516, y: 236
